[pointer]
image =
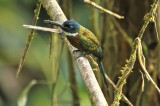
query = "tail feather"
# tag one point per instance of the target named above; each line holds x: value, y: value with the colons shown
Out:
x: 103, y: 73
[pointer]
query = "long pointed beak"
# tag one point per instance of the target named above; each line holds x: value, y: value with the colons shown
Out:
x: 53, y: 23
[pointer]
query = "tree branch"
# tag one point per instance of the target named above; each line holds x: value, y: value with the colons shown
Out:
x: 42, y: 28
x: 103, y: 9
x: 142, y: 63
x: 30, y: 37
x: 87, y: 74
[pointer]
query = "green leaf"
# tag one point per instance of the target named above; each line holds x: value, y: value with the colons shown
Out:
x: 23, y: 97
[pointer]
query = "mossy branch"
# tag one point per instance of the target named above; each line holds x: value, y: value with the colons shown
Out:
x: 125, y: 73
x: 96, y: 68
x: 149, y: 17
x: 30, y: 37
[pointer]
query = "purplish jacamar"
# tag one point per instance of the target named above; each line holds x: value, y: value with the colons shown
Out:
x: 82, y: 39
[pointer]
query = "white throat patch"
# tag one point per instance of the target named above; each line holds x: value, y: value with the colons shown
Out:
x: 71, y: 34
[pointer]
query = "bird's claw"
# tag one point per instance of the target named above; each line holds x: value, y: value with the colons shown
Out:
x: 75, y: 51
x: 78, y: 54
x: 62, y: 35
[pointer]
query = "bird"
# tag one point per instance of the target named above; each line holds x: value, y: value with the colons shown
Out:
x: 82, y: 39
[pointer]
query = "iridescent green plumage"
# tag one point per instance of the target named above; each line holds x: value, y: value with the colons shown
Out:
x: 86, y: 41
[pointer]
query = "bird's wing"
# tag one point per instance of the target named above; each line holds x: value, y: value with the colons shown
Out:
x: 89, y: 41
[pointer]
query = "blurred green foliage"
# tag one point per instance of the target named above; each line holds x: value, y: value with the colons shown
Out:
x: 37, y: 65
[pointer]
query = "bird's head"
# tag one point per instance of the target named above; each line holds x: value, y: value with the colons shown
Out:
x: 68, y: 26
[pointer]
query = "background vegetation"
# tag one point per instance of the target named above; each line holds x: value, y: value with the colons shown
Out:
x: 57, y: 80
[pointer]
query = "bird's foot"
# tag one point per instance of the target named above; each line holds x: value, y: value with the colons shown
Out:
x: 78, y: 54
x: 62, y: 35
x: 75, y: 51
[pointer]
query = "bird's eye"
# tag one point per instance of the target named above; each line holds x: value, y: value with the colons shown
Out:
x: 68, y: 26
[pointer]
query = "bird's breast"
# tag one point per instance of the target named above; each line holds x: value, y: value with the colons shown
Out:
x: 75, y: 41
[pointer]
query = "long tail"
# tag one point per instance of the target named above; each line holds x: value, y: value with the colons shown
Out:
x: 103, y: 74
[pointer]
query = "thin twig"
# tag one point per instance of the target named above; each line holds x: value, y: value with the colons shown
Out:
x: 156, y: 31
x: 142, y: 81
x: 122, y: 31
x: 143, y: 66
x: 42, y: 28
x: 93, y: 61
x: 103, y: 9
x: 30, y: 37
x: 114, y: 86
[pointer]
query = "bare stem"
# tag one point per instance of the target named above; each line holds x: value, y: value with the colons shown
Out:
x: 122, y: 31
x: 103, y: 9
x: 30, y: 37
x: 140, y: 56
x: 42, y: 28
